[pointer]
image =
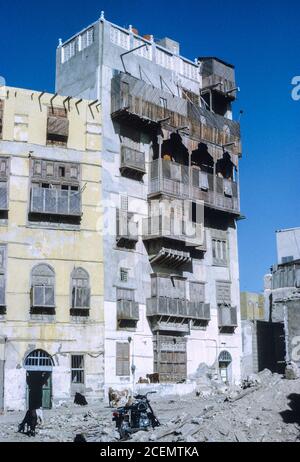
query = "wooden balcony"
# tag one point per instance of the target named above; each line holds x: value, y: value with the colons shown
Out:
x: 128, y: 310
x: 138, y: 104
x: 176, y: 308
x: 127, y: 229
x: 157, y: 227
x: 215, y: 72
x: 132, y: 162
x: 220, y: 85
x: 227, y: 316
x: 182, y: 182
x: 52, y: 201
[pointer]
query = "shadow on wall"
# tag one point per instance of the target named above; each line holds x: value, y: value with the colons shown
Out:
x: 293, y: 414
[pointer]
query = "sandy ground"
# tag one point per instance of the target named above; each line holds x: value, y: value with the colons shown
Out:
x: 267, y: 412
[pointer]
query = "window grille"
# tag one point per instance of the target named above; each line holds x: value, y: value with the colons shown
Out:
x: 39, y: 360
x: 225, y: 357
x: 77, y: 369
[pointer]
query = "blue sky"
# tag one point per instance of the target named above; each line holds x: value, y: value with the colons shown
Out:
x: 261, y: 38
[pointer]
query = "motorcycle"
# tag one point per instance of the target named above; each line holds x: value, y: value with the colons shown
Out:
x: 135, y: 417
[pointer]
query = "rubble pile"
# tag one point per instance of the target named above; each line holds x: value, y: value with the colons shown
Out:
x: 265, y: 408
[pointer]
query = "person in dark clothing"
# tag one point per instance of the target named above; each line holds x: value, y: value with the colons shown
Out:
x: 29, y: 423
x: 36, y: 381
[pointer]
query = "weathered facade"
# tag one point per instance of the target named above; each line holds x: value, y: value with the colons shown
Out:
x: 282, y: 300
x: 171, y: 297
x: 252, y: 313
x: 51, y: 265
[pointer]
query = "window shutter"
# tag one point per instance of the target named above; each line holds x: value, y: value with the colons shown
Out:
x: 122, y: 359
x: 2, y: 258
x: 197, y: 292
x: 3, y: 167
x: 223, y: 293
x: 175, y: 172
x: 203, y: 181
x: 228, y: 188
x: 124, y: 203
x: 58, y: 126
x: 38, y: 296
x: 3, y: 195
x: 2, y: 289
x: 196, y: 177
x: 50, y: 169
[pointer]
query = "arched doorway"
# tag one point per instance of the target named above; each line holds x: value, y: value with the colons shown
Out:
x: 225, y: 361
x: 39, y: 365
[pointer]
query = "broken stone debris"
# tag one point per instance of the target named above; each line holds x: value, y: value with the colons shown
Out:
x: 292, y: 371
x: 251, y: 413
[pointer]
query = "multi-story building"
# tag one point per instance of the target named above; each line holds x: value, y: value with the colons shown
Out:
x: 170, y: 148
x: 51, y: 263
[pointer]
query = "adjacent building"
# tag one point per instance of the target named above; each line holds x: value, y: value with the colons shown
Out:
x: 170, y: 163
x: 282, y: 296
x: 252, y: 316
x: 51, y: 255
x: 270, y: 327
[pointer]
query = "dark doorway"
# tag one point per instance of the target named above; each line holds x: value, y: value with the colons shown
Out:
x: 39, y: 365
x: 271, y: 346
x: 39, y: 390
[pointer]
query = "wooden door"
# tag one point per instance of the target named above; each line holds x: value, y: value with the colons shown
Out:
x: 170, y: 358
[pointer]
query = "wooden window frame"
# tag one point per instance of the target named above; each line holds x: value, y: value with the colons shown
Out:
x: 122, y: 360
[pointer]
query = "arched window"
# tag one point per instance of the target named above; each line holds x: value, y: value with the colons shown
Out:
x: 81, y: 292
x: 225, y: 357
x: 225, y: 361
x: 39, y: 360
x: 43, y: 287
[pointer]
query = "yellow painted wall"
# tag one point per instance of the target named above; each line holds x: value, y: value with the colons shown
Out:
x: 25, y: 118
x: 252, y: 306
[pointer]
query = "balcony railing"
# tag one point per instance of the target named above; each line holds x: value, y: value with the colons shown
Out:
x: 192, y: 234
x: 128, y: 310
x: 127, y: 228
x: 183, y: 182
x: 171, y: 307
x: 227, y: 316
x: 132, y: 159
x: 55, y: 201
x: 140, y: 104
